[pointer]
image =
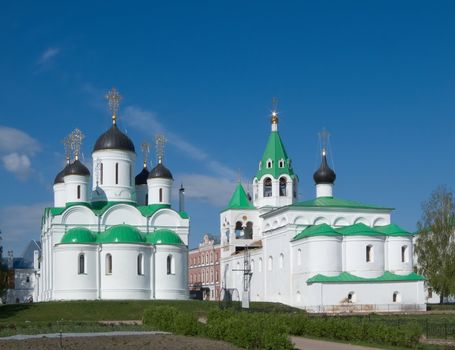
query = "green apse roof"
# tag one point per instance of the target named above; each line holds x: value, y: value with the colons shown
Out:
x: 392, y: 230
x: 347, y: 277
x: 78, y: 235
x: 336, y: 203
x: 239, y: 199
x: 164, y: 236
x: 275, y: 151
x: 352, y: 230
x: 359, y: 230
x: 317, y: 230
x: 121, y: 234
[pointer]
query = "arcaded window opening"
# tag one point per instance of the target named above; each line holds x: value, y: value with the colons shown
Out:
x: 283, y: 183
x: 267, y: 187
x: 369, y: 253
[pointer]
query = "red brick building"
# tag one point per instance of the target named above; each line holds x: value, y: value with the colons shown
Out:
x: 204, y: 279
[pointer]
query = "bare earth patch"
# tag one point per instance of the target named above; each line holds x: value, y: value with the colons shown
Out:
x: 146, y: 342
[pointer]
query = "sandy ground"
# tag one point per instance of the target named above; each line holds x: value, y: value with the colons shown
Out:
x: 312, y: 344
x: 146, y: 342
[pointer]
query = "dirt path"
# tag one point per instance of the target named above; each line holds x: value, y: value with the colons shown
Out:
x: 131, y: 342
x: 311, y: 344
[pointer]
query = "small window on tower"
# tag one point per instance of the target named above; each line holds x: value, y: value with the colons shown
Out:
x: 78, y: 191
x: 269, y: 164
x: 283, y: 186
x: 281, y: 163
x: 268, y: 187
x: 101, y: 173
x: 161, y: 195
x: 116, y: 173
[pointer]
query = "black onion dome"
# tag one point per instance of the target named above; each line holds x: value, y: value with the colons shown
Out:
x: 324, y: 175
x: 141, y: 178
x: 114, y: 139
x: 76, y: 168
x: 59, y: 179
x: 160, y: 171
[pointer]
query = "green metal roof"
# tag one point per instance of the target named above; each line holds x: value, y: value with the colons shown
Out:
x: 78, y: 235
x: 121, y: 234
x: 392, y: 230
x: 347, y: 277
x: 239, y: 199
x: 99, y: 208
x: 164, y: 236
x: 352, y: 230
x: 316, y: 230
x: 275, y: 151
x: 359, y: 230
x: 332, y: 202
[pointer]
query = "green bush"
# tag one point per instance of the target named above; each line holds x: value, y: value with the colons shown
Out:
x: 353, y: 329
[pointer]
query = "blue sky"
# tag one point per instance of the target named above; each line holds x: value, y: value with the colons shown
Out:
x: 379, y: 75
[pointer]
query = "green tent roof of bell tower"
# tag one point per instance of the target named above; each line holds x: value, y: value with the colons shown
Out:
x: 275, y: 152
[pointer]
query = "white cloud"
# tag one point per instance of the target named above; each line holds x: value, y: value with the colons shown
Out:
x: 16, y: 150
x: 18, y: 164
x: 13, y: 140
x: 48, y: 55
x: 20, y: 224
x: 214, y: 190
x: 148, y: 121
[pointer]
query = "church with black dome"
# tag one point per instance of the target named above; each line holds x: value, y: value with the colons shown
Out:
x: 112, y: 234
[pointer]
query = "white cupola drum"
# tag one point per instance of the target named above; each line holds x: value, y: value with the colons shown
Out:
x: 114, y: 156
x: 76, y: 176
x: 160, y: 179
x: 59, y: 181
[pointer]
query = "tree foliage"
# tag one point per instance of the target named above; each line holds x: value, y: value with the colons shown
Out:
x: 435, y: 244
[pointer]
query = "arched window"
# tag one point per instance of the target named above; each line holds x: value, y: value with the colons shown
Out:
x: 260, y: 165
x: 269, y: 164
x: 270, y: 263
x: 27, y: 280
x: 238, y: 229
x: 248, y: 231
x: 78, y: 191
x: 140, y: 264
x: 404, y: 254
x: 352, y: 297
x: 282, y: 186
x: 281, y: 163
x: 369, y: 253
x: 101, y: 173
x: 281, y: 260
x: 299, y: 257
x: 260, y: 265
x: 108, y: 264
x: 207, y: 257
x: 131, y: 175
x: 211, y: 257
x: 161, y: 195
x: 267, y: 187
x: 170, y: 265
x: 396, y: 297
x: 81, y: 269
x: 116, y: 173
x: 252, y: 265
x: 216, y: 275
x: 147, y: 199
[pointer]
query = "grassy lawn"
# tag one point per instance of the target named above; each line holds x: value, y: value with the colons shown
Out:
x: 84, y: 316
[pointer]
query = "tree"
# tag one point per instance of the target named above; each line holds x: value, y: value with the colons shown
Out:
x: 435, y: 244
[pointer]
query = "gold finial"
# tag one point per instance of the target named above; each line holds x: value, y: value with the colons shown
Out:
x: 324, y: 136
x: 274, y: 110
x: 145, y: 151
x: 114, y: 99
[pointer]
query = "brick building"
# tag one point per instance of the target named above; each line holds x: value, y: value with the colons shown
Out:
x: 204, y: 280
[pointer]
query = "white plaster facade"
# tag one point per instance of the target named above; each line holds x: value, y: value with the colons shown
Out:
x: 107, y: 245
x: 283, y: 266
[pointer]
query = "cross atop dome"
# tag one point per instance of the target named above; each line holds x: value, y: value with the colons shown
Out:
x: 114, y: 98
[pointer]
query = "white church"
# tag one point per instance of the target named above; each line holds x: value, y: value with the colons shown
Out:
x: 113, y: 235
x: 325, y: 254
